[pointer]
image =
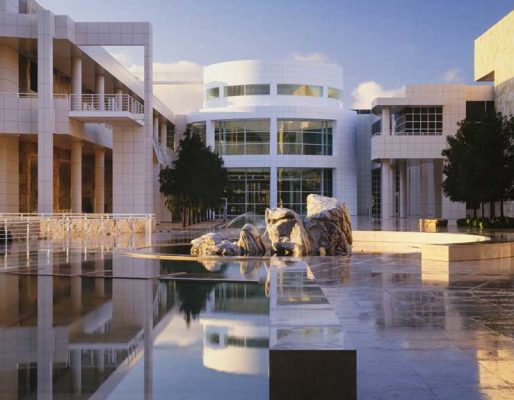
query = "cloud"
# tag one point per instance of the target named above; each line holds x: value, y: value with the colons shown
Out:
x: 123, y: 57
x: 367, y: 91
x: 179, y: 71
x: 318, y: 57
x: 452, y: 75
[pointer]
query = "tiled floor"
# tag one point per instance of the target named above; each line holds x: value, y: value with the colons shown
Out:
x: 425, y: 331
x: 422, y: 330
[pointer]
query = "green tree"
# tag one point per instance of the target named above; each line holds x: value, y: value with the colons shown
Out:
x: 479, y: 162
x: 197, y: 180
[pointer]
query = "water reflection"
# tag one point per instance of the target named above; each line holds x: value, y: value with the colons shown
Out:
x: 76, y: 337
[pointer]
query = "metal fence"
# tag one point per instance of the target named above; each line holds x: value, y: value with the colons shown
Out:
x: 56, y: 226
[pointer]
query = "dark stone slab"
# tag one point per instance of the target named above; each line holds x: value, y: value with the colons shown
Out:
x: 313, y: 374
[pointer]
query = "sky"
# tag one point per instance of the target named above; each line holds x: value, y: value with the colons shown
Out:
x: 380, y: 44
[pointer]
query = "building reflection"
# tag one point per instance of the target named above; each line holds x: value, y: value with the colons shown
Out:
x: 73, y: 336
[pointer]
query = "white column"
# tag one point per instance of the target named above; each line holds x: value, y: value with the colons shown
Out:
x: 76, y: 82
x: 386, y: 205
x: 99, y: 180
x: 45, y: 111
x: 119, y: 98
x: 156, y: 126
x: 386, y: 121
x: 209, y: 133
x: 76, y: 177
x: 163, y: 132
x: 273, y: 194
x: 100, y: 90
x: 148, y: 100
x: 273, y: 136
x: 403, y: 188
x: 9, y: 173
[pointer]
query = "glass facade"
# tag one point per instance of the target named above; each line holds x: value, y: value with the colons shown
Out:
x: 249, y: 190
x: 419, y: 121
x: 242, y: 137
x: 213, y: 93
x: 170, y: 135
x: 295, y: 184
x: 299, y: 90
x: 475, y: 110
x: 247, y: 90
x: 333, y: 93
x: 308, y: 137
x: 198, y: 128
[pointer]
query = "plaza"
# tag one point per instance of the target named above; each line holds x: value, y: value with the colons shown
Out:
x: 101, y: 298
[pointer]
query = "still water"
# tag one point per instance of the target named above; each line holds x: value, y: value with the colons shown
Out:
x: 75, y: 337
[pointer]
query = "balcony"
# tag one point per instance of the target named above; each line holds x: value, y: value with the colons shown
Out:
x: 115, y: 109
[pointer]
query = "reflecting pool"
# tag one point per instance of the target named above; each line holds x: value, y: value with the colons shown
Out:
x: 74, y: 336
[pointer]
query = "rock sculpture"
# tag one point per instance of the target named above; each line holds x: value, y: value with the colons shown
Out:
x: 329, y: 226
x: 286, y: 232
x: 327, y: 230
x: 213, y: 244
x: 250, y: 241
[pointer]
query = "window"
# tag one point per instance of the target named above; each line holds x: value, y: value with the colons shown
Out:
x: 170, y: 135
x: 198, y: 128
x: 299, y: 90
x: 419, y: 121
x: 249, y: 190
x: 475, y: 110
x: 213, y: 93
x: 311, y: 137
x: 247, y: 90
x: 376, y: 128
x: 376, y: 192
x: 242, y: 137
x: 334, y: 93
x: 295, y: 184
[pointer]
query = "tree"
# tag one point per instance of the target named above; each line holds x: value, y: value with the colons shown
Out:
x: 197, y: 181
x: 480, y: 162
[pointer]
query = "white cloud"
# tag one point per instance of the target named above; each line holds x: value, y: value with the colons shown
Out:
x: 179, y: 71
x: 123, y: 57
x: 318, y: 57
x: 452, y: 75
x: 367, y: 91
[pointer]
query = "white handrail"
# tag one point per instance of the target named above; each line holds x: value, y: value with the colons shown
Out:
x: 105, y: 102
x: 26, y: 226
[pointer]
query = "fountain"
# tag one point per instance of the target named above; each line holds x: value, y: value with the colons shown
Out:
x: 326, y: 230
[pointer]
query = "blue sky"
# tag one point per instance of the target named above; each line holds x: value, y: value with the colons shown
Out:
x: 390, y: 42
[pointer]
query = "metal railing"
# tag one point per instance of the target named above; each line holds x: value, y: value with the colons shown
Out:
x: 105, y: 102
x: 25, y: 227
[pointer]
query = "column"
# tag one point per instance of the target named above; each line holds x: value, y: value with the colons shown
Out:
x: 99, y: 180
x: 386, y: 198
x: 164, y: 132
x: 76, y: 83
x: 403, y: 188
x: 273, y: 193
x: 9, y: 173
x: 148, y: 101
x: 119, y: 98
x: 273, y: 136
x: 76, y: 177
x: 386, y: 121
x: 156, y: 126
x: 100, y: 90
x: 45, y: 111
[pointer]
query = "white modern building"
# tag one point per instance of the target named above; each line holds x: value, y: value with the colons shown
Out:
x: 78, y: 132
x: 407, y: 136
x: 279, y: 128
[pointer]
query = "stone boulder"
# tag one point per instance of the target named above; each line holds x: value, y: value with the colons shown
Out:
x: 329, y: 226
x: 286, y: 233
x: 250, y: 241
x: 213, y: 244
